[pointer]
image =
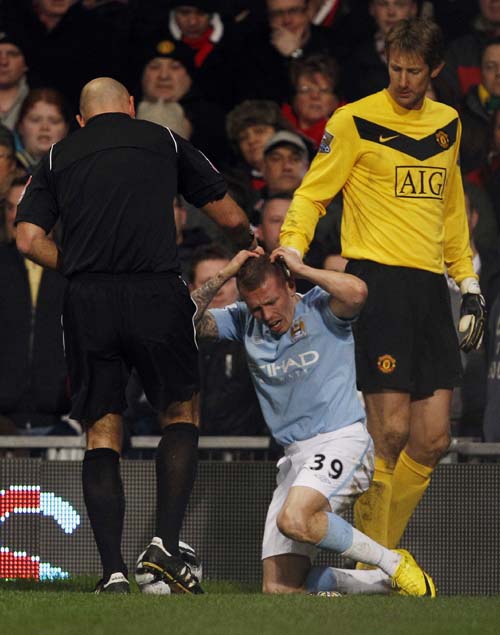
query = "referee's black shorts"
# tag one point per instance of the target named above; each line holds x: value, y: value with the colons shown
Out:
x: 115, y: 322
x: 405, y: 337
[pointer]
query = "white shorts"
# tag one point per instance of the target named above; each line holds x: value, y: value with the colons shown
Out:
x: 337, y: 464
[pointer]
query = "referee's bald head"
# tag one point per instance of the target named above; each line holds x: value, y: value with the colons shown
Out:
x: 102, y: 95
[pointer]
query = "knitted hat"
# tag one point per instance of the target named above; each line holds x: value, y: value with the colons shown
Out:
x: 170, y: 49
x: 13, y: 38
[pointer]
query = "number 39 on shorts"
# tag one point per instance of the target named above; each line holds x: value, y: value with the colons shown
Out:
x: 325, y: 464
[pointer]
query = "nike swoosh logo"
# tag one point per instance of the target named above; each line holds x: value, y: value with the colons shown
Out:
x: 383, y: 139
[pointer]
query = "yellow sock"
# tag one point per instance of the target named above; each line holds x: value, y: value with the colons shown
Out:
x: 409, y: 482
x: 371, y: 510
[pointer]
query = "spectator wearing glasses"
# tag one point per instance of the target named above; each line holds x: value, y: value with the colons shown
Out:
x: 289, y: 36
x: 314, y: 99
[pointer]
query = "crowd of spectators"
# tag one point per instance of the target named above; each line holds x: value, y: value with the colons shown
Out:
x: 251, y: 83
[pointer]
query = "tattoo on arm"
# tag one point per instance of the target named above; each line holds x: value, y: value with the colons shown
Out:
x: 206, y: 326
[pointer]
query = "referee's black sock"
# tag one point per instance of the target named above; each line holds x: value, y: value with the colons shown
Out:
x: 105, y: 502
x: 176, y: 463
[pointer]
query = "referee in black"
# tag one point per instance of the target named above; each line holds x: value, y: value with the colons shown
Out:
x: 111, y: 184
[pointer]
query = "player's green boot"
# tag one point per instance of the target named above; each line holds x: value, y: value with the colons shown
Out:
x: 410, y: 579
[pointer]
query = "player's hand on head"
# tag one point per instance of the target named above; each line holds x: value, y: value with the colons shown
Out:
x: 291, y: 258
x: 255, y: 245
x: 235, y: 264
x: 472, y: 316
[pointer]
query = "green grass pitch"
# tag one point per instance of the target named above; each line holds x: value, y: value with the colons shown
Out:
x: 68, y: 608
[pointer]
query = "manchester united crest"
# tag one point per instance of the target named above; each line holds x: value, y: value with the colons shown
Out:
x: 443, y: 139
x: 386, y: 364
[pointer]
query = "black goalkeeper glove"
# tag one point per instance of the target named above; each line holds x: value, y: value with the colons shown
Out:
x: 472, y: 315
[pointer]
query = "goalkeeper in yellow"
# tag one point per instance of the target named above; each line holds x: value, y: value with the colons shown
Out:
x: 394, y: 154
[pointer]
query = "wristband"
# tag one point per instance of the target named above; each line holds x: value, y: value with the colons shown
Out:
x: 470, y: 285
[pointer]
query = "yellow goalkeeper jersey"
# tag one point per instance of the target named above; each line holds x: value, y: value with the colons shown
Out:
x: 402, y: 188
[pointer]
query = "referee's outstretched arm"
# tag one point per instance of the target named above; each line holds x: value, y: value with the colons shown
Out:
x: 233, y: 221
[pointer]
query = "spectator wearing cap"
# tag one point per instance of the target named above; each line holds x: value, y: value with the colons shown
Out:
x: 249, y: 126
x: 286, y: 160
x: 289, y: 35
x: 13, y: 82
x: 169, y: 75
x: 198, y: 25
x: 314, y: 80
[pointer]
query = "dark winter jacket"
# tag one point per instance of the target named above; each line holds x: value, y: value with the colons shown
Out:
x: 32, y: 365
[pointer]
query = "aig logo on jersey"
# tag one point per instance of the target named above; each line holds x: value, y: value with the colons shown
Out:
x: 420, y: 182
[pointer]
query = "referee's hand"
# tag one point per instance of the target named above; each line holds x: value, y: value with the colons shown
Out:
x: 472, y: 316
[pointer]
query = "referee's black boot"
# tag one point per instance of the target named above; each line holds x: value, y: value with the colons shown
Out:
x: 115, y: 583
x: 172, y: 569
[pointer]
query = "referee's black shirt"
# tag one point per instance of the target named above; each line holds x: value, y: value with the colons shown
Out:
x: 112, y: 184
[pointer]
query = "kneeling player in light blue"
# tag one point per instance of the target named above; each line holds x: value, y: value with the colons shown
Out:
x: 300, y: 352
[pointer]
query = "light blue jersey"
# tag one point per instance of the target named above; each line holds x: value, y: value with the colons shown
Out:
x: 305, y: 379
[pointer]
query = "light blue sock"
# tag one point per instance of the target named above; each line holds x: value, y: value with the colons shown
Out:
x: 343, y: 538
x: 321, y: 579
x: 339, y: 536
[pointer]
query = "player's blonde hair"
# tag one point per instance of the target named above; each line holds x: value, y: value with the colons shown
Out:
x: 255, y: 271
